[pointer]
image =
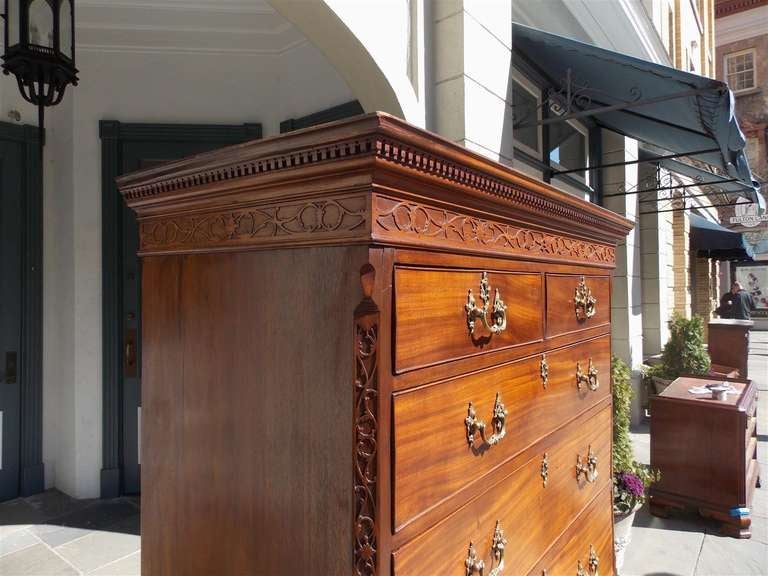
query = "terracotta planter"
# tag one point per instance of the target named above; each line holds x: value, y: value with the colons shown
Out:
x: 622, y: 531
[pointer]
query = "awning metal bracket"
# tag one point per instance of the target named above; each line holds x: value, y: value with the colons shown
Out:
x: 574, y: 99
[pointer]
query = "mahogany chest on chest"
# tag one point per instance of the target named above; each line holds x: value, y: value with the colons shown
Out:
x: 369, y: 351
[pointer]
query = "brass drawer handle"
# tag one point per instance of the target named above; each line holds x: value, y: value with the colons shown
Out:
x: 589, y: 470
x: 585, y: 304
x: 474, y: 565
x: 593, y: 564
x: 590, y: 378
x: 498, y: 317
x: 498, y: 423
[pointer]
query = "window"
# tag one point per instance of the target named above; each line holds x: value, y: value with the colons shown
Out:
x: 740, y: 70
x: 568, y: 147
x: 526, y: 102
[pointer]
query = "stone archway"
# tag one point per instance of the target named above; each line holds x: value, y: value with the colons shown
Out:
x: 358, y: 54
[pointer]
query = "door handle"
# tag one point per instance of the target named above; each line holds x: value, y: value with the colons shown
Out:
x: 129, y: 354
x: 11, y: 367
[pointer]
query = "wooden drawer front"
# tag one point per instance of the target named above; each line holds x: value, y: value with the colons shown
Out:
x: 531, y: 515
x: 430, y: 432
x: 431, y: 320
x: 562, y: 316
x: 589, y: 537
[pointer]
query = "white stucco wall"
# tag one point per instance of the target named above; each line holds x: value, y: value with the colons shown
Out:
x: 131, y: 87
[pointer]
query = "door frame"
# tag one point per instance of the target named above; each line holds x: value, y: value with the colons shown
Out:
x: 114, y: 134
x: 30, y: 363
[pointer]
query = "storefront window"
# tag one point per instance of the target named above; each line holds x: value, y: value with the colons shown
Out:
x: 526, y: 112
x: 568, y: 147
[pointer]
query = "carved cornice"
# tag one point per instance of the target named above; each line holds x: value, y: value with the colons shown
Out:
x: 396, y: 219
x: 279, y: 223
x: 729, y: 7
x: 270, y: 164
x: 373, y: 143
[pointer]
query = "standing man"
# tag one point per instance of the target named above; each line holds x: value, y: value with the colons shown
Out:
x: 742, y: 303
x: 725, y: 310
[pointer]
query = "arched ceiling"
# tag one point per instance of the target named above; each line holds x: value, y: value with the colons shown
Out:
x: 236, y: 26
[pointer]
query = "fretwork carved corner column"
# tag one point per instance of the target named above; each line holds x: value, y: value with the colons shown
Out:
x: 366, y: 399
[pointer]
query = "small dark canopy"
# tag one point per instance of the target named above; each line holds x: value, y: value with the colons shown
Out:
x: 677, y: 111
x: 714, y: 241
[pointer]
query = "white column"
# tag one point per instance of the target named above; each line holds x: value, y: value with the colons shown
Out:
x: 472, y: 56
x: 626, y: 300
x: 654, y: 255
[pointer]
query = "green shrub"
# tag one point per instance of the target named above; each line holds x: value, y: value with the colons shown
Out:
x: 630, y: 478
x: 622, y: 401
x: 684, y: 353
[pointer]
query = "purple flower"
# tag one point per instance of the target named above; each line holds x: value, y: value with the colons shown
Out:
x: 631, y: 483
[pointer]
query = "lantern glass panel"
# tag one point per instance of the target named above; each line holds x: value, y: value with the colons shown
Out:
x: 65, y: 29
x: 12, y: 9
x: 41, y: 23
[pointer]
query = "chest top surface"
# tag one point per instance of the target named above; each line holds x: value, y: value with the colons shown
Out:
x: 680, y: 390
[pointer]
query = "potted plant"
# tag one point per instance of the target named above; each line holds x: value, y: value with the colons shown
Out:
x: 684, y: 352
x: 630, y: 478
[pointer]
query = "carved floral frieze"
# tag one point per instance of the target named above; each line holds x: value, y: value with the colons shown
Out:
x: 428, y: 223
x: 256, y: 225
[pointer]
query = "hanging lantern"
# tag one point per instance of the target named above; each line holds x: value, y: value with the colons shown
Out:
x: 40, y: 49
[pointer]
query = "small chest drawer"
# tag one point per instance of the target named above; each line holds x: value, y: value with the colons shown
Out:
x: 526, y: 511
x: 439, y: 314
x: 576, y: 303
x: 587, y: 544
x: 538, y: 394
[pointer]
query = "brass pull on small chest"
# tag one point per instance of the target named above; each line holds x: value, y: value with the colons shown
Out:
x: 585, y: 305
x: 474, y: 565
x: 590, y: 378
x: 496, y: 321
x: 498, y: 423
x: 588, y: 469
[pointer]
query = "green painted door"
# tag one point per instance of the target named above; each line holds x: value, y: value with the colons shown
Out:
x: 145, y: 146
x: 10, y: 316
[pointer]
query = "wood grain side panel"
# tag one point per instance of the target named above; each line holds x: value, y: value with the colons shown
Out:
x: 561, y: 315
x: 532, y: 516
x: 431, y: 321
x: 162, y: 408
x: 594, y: 527
x: 430, y: 433
x: 266, y: 483
x: 699, y: 451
